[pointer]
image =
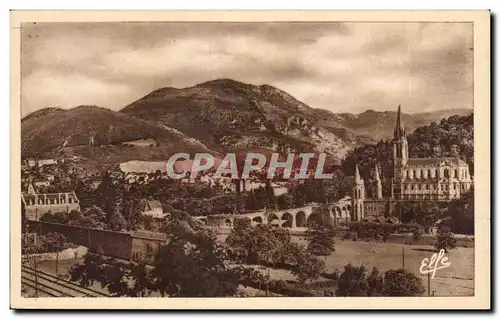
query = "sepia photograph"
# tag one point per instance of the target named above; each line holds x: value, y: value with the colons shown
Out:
x: 313, y: 161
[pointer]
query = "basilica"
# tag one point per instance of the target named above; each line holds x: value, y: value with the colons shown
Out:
x: 414, y: 179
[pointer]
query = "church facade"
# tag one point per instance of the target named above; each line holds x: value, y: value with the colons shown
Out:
x: 414, y: 179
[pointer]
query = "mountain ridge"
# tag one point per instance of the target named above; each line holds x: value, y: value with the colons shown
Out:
x: 218, y: 116
x: 55, y: 130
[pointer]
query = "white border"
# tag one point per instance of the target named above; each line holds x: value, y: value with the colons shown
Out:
x: 187, y: 4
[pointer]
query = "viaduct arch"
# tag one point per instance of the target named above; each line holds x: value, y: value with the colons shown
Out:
x: 300, y: 217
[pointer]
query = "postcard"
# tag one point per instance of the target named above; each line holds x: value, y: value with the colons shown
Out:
x: 250, y: 160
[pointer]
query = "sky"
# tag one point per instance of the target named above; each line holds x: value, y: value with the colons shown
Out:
x: 341, y: 67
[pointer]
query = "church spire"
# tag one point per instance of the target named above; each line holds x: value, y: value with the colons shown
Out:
x: 378, y: 182
x: 357, y: 177
x: 399, y: 155
x: 399, y: 129
x: 377, y: 174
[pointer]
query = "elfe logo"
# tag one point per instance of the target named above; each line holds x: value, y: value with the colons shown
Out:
x: 438, y: 261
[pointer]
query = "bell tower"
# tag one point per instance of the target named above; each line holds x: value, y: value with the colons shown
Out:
x: 358, y: 197
x: 400, y: 156
x: 378, y: 183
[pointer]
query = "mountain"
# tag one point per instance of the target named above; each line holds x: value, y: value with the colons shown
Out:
x: 229, y: 115
x: 380, y: 125
x: 217, y: 116
x: 52, y: 130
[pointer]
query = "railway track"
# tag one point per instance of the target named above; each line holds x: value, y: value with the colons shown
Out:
x: 49, y: 285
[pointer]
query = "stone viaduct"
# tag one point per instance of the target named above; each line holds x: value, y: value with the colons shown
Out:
x: 300, y: 217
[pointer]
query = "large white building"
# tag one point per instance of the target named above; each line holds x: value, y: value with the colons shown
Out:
x: 436, y: 178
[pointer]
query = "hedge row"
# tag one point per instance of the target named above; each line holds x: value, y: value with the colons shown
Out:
x: 256, y: 280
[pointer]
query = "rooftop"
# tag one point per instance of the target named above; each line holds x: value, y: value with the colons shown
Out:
x: 154, y: 204
x: 453, y: 161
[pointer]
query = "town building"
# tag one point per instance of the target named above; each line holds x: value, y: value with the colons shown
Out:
x: 41, y: 183
x: 154, y: 209
x: 32, y: 162
x: 437, y: 178
x: 414, y: 179
x: 36, y: 205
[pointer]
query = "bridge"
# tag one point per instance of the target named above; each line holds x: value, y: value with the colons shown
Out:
x: 300, y: 217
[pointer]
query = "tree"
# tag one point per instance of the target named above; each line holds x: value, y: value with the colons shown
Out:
x: 132, y: 212
x: 285, y: 201
x: 261, y: 244
x: 75, y: 218
x: 106, y: 194
x: 422, y: 213
x: 58, y: 218
x: 117, y: 222
x: 308, y: 267
x: 338, y: 187
x: 461, y: 212
x: 385, y: 235
x: 402, y: 283
x: 353, y: 282
x: 375, y: 283
x: 239, y: 240
x: 269, y: 251
x: 292, y: 251
x: 143, y: 281
x: 119, y: 278
x: 455, y: 130
x: 416, y: 234
x: 445, y: 239
x: 89, y: 271
x: 96, y: 213
x: 270, y: 194
x: 366, y: 156
x: 192, y: 264
x: 427, y: 213
x: 321, y: 240
x: 250, y: 201
x: 53, y: 242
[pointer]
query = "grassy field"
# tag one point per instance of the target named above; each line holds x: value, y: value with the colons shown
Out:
x: 456, y: 280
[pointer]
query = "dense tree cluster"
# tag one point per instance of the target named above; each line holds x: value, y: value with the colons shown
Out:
x: 321, y: 242
x: 453, y: 136
x: 355, y: 281
x: 445, y: 239
x: 461, y: 214
x: 194, y: 264
x: 191, y: 264
x: 422, y: 213
x: 273, y: 247
x: 48, y: 243
x: 377, y: 231
x: 119, y: 278
x: 261, y: 244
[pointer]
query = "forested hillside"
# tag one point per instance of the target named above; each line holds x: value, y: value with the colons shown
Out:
x: 453, y: 136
